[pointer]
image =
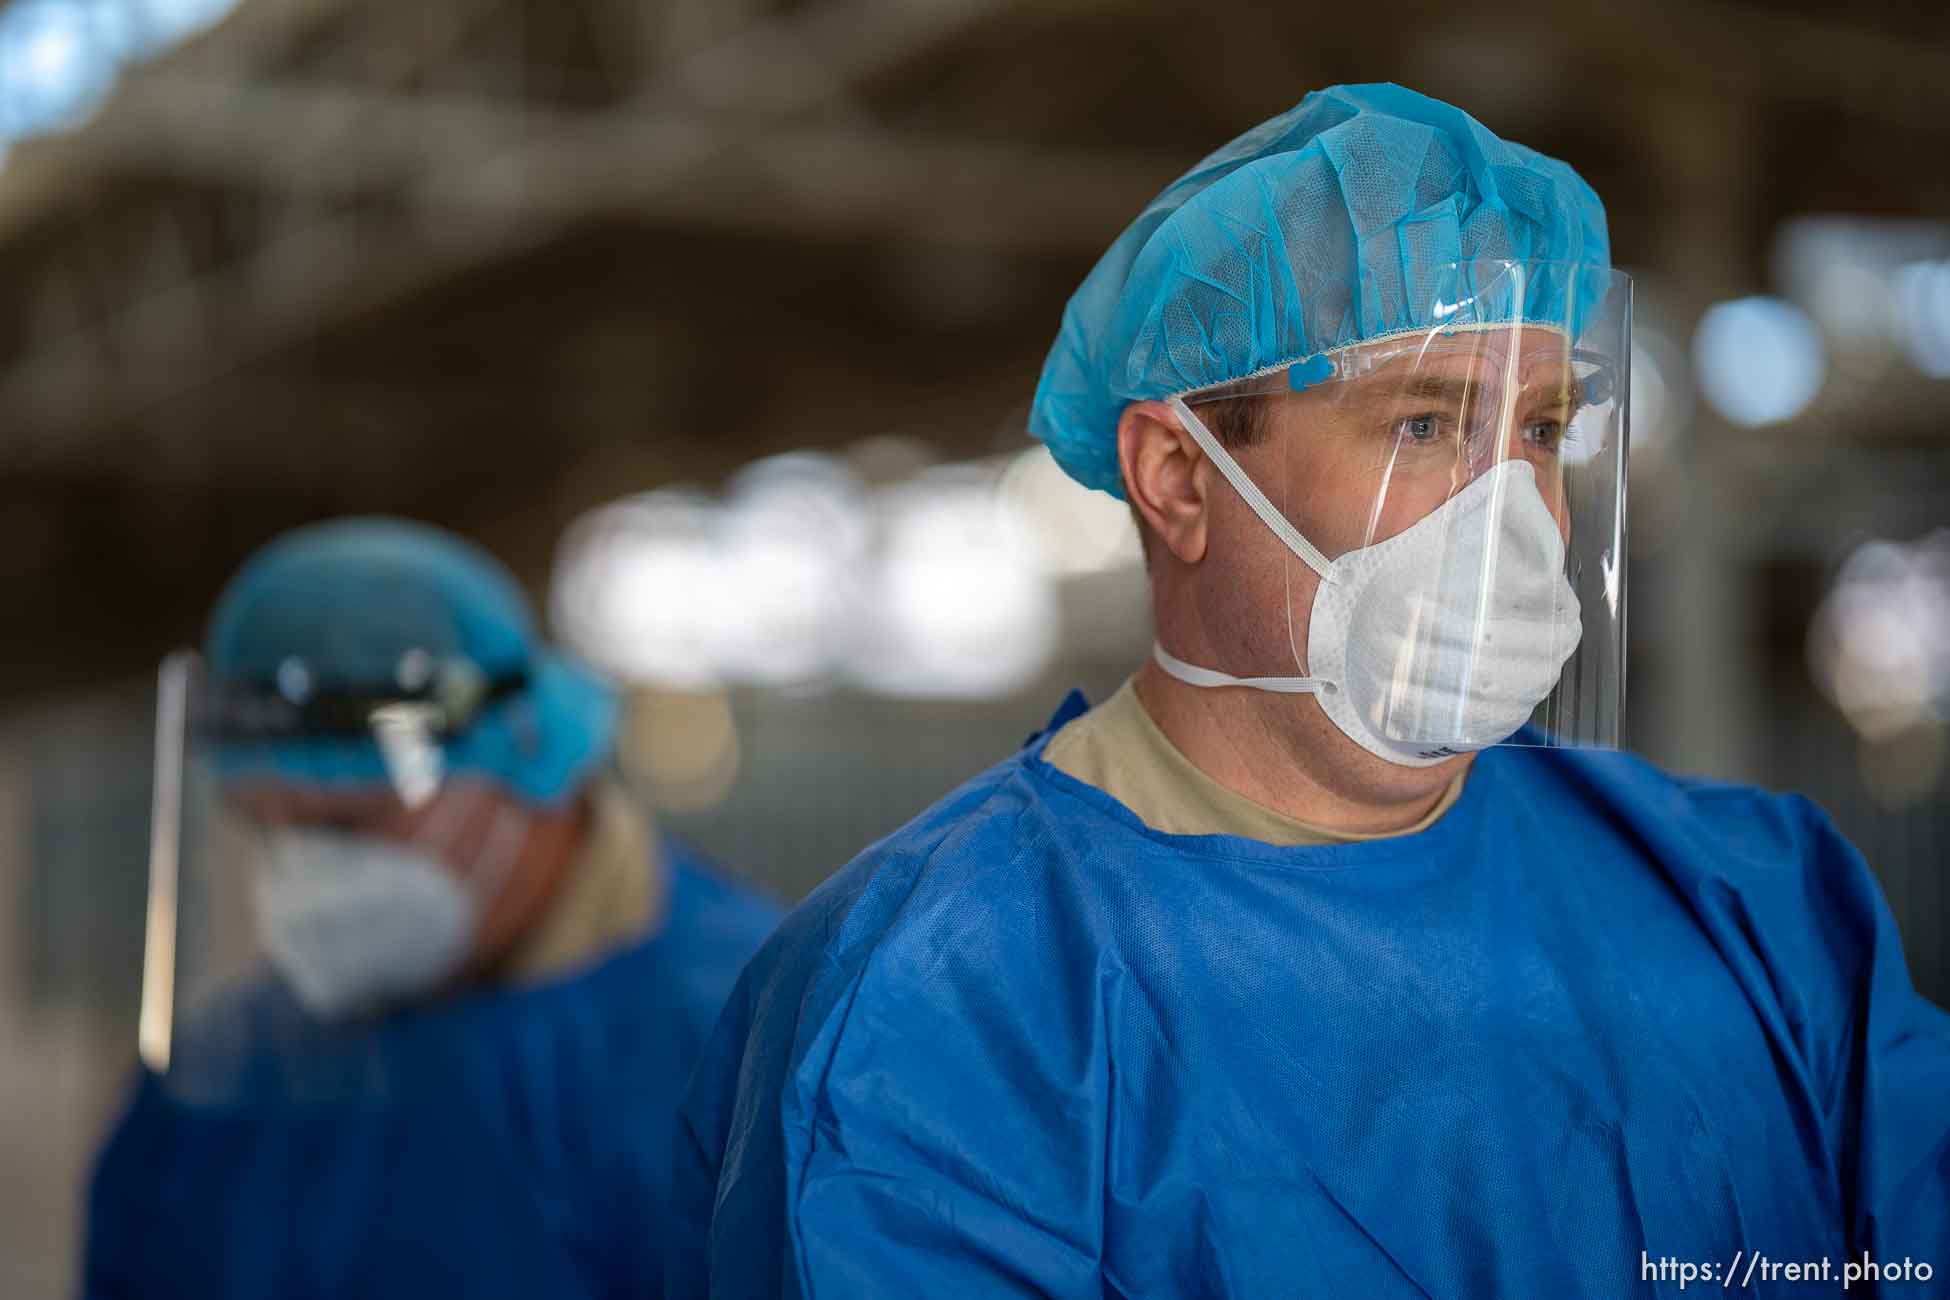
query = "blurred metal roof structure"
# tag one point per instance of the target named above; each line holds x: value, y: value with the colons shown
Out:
x: 488, y: 261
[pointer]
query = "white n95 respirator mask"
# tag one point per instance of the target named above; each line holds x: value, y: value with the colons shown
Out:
x: 354, y: 922
x: 1437, y: 641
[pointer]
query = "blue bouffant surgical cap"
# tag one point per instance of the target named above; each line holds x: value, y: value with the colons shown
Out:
x: 370, y: 607
x: 1333, y: 224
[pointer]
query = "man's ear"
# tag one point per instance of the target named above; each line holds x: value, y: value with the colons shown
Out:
x: 1160, y: 464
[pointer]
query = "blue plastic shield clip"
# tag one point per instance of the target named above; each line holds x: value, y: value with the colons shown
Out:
x: 1303, y: 375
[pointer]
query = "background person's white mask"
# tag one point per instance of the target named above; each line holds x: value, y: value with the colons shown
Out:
x: 1439, y: 640
x: 356, y: 921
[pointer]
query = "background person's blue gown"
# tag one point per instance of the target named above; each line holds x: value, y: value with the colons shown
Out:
x: 1029, y: 1047
x: 516, y: 1143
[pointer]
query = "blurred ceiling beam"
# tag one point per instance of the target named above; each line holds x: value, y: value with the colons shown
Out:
x: 749, y: 132
x: 801, y: 182
x: 297, y: 285
x: 772, y: 68
x: 537, y: 163
x: 41, y: 175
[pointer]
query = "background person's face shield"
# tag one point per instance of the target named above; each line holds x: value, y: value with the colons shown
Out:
x: 1452, y: 502
x: 317, y: 861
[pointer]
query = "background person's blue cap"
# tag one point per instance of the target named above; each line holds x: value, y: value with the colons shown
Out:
x: 370, y: 608
x: 1325, y: 227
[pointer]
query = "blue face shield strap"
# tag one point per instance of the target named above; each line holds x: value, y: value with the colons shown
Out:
x: 453, y: 696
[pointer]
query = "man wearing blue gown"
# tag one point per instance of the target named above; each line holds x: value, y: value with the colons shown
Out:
x: 488, y: 976
x: 1277, y: 974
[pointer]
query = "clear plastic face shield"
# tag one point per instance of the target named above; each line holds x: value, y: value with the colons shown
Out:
x: 1449, y: 503
x: 317, y: 861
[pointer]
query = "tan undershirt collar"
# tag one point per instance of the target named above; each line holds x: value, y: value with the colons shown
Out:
x: 614, y: 893
x: 1120, y: 750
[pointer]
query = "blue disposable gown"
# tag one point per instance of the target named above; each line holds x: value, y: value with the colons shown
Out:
x: 520, y: 1146
x: 1029, y: 1047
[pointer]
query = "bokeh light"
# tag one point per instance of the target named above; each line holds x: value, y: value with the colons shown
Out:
x: 1068, y: 528
x: 1662, y: 394
x: 791, y: 540
x: 1879, y: 646
x: 955, y: 607
x: 636, y: 587
x: 937, y: 585
x: 157, y: 24
x: 1902, y: 770
x: 679, y: 748
x: 57, y: 60
x: 1923, y: 315
x: 60, y: 58
x: 1758, y: 360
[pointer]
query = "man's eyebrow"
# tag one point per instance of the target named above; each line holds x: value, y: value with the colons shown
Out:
x: 1438, y: 388
x: 1564, y: 388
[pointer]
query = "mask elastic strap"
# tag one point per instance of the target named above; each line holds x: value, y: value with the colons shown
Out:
x: 1212, y: 679
x: 1249, y: 492
x: 1282, y: 528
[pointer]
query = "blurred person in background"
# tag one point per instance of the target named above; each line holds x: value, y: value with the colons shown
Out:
x: 1339, y: 953
x: 492, y: 976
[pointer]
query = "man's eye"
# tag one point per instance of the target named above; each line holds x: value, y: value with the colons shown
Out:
x: 1547, y: 434
x: 1419, y: 428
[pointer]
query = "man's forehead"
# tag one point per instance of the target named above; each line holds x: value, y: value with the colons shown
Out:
x: 1535, y: 355
x: 1463, y: 347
